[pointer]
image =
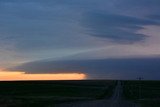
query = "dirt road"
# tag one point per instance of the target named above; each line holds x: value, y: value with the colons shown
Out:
x: 115, y: 101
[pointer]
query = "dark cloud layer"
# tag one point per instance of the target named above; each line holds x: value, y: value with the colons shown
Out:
x: 103, y: 68
x: 119, y: 28
x: 155, y: 17
x: 32, y: 24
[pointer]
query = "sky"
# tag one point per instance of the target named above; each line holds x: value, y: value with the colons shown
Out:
x: 79, y: 39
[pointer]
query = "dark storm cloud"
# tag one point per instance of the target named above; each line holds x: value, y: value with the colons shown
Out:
x: 155, y: 17
x: 116, y: 27
x: 139, y: 6
x: 121, y: 21
x: 103, y: 68
x: 150, y: 3
x: 33, y: 25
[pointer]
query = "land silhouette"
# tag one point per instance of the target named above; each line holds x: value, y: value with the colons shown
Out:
x: 115, y: 101
x: 80, y: 93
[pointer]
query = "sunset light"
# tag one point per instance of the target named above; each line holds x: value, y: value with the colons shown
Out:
x: 12, y: 76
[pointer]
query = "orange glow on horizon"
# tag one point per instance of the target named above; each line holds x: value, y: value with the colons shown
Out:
x: 11, y: 76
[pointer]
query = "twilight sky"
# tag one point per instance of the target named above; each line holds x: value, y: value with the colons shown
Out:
x: 97, y: 39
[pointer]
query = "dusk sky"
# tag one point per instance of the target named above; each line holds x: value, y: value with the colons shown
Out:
x: 79, y: 39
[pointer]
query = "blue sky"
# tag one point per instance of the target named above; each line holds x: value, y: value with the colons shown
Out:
x: 82, y: 32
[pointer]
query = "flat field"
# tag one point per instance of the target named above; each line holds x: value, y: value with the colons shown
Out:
x: 147, y: 93
x: 46, y: 93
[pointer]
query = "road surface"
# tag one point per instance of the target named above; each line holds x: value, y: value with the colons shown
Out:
x: 115, y: 101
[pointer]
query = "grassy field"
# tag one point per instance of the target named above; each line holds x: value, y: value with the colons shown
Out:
x: 147, y: 93
x: 45, y: 93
